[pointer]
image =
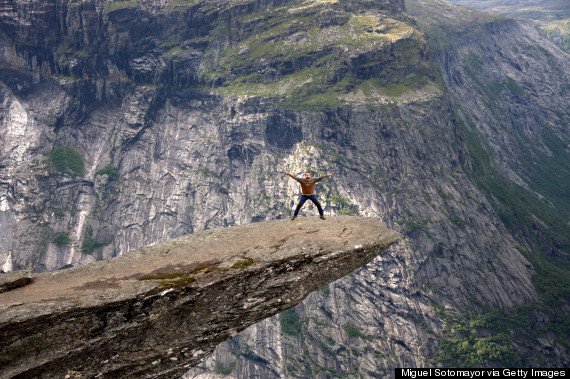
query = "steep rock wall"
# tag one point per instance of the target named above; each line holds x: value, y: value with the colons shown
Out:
x: 156, y: 312
x: 180, y: 130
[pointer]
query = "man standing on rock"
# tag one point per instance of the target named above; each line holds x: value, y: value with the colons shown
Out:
x: 308, y: 192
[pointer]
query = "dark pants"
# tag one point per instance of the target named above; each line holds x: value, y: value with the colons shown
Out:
x: 304, y: 198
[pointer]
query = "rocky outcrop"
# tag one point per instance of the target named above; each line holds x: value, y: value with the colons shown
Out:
x: 155, y: 312
x: 396, y: 324
x: 185, y: 124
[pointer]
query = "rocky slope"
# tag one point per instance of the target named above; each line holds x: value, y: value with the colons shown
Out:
x: 553, y: 16
x: 497, y: 119
x: 125, y: 135
x: 155, y: 312
x: 525, y: 9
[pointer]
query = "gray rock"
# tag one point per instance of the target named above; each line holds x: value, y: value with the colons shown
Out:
x: 156, y: 312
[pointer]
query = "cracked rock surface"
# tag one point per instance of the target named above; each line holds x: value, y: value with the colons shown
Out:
x: 158, y: 311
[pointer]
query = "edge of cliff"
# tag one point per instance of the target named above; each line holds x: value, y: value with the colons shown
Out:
x: 157, y: 312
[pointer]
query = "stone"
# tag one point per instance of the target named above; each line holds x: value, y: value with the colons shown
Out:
x: 155, y: 311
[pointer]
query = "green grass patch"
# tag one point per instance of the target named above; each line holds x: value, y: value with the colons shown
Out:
x: 171, y: 279
x: 243, y: 263
x: 120, y: 4
x: 89, y: 245
x: 413, y: 225
x: 182, y: 3
x: 66, y: 160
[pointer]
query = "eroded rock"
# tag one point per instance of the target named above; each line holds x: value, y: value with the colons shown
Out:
x: 159, y: 311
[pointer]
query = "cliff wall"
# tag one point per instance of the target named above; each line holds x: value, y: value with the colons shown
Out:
x: 151, y: 120
x: 155, y: 312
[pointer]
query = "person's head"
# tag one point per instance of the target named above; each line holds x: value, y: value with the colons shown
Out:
x: 307, y: 175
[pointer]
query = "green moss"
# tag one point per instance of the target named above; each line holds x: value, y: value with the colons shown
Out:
x: 181, y: 281
x: 64, y: 77
x: 171, y: 279
x: 290, y: 322
x: 61, y: 239
x: 66, y: 160
x: 413, y: 225
x: 181, y: 3
x: 244, y: 263
x: 174, y: 52
x: 89, y: 245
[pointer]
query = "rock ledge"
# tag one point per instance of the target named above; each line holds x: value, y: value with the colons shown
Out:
x: 158, y: 311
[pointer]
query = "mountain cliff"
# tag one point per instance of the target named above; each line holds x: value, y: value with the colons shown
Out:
x: 553, y: 16
x: 155, y: 312
x: 126, y: 123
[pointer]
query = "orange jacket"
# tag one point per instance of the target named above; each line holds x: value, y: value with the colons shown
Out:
x: 308, y: 186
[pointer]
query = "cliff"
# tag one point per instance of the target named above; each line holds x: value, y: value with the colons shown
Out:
x: 155, y: 119
x: 156, y: 312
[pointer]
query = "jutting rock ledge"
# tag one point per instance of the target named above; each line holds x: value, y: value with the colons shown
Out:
x: 156, y: 312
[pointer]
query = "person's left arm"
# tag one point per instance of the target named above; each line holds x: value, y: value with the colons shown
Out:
x: 323, y: 177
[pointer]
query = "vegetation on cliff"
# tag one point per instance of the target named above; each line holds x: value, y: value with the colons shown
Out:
x: 315, y: 55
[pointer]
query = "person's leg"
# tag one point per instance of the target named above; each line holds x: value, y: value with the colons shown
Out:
x: 302, y: 200
x: 318, y: 204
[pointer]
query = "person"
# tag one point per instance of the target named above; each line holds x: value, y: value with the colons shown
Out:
x: 308, y: 192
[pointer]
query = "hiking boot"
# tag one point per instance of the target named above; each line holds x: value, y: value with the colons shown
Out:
x: 323, y: 218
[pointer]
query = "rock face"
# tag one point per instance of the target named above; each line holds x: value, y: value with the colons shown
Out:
x: 155, y: 312
x: 124, y: 136
x: 506, y: 118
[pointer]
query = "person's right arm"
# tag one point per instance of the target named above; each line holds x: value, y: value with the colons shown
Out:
x: 291, y: 175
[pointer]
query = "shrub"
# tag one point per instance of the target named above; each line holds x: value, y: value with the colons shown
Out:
x: 353, y: 331
x: 290, y: 322
x: 61, y: 239
x: 90, y: 244
x: 111, y: 171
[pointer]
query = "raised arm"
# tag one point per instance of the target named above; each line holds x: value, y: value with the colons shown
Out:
x: 323, y: 177
x: 291, y: 175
